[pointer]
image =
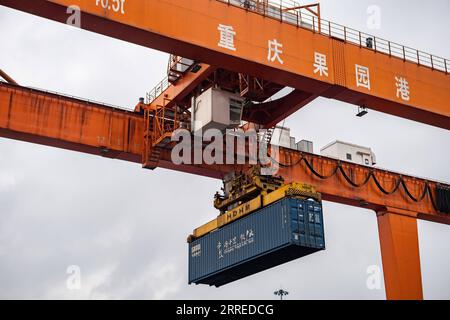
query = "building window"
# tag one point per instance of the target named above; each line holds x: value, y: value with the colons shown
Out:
x: 349, y: 156
x: 366, y: 161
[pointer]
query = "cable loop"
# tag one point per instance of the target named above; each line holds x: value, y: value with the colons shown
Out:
x: 400, y: 181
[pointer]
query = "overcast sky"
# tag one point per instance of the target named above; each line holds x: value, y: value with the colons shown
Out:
x: 126, y: 227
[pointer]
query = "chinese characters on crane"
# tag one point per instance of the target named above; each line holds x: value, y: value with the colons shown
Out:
x: 320, y: 66
x: 401, y: 84
x: 275, y: 51
x: 362, y: 76
x: 226, y: 41
x: 402, y: 88
x: 227, y: 35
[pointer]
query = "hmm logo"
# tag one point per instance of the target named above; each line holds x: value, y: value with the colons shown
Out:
x: 236, y: 213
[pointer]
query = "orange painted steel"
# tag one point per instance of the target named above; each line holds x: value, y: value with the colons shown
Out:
x: 399, y: 243
x: 74, y: 124
x: 70, y: 123
x: 66, y: 122
x: 190, y: 29
x: 273, y: 112
x: 186, y: 84
x: 364, y: 192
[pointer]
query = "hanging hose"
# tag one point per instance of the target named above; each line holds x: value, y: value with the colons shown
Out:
x: 442, y: 205
x: 317, y: 173
x: 290, y: 165
x: 378, y: 184
x: 443, y: 198
x: 350, y: 181
x: 424, y: 193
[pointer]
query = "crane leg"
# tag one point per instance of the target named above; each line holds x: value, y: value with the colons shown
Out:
x: 399, y: 244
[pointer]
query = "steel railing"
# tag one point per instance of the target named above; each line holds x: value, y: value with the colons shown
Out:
x: 59, y: 95
x: 157, y: 90
x: 279, y: 10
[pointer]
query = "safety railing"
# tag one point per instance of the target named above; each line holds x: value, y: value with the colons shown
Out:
x: 285, y: 11
x: 177, y: 66
x: 157, y: 90
x: 59, y: 95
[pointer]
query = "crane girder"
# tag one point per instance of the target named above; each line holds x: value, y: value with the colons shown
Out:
x: 265, y: 47
x: 416, y: 88
x: 65, y: 122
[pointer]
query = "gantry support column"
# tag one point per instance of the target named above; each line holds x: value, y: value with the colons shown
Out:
x: 400, y: 254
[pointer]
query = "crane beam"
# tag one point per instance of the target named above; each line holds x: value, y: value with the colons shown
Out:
x: 271, y: 113
x: 399, y: 200
x: 174, y: 94
x: 65, y: 122
x: 383, y: 76
x: 399, y: 243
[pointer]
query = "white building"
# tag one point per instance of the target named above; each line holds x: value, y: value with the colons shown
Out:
x: 349, y: 152
x: 282, y: 137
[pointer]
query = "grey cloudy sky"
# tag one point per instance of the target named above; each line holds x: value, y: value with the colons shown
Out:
x: 126, y: 227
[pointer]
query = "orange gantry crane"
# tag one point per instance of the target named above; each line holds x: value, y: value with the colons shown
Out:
x: 256, y: 48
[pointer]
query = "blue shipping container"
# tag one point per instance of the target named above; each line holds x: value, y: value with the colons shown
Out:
x: 286, y: 230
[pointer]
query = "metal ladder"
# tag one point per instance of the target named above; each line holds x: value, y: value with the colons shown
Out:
x: 267, y: 138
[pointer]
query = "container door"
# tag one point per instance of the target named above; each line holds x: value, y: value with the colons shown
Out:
x: 311, y: 225
x: 306, y: 225
x: 293, y: 213
x: 319, y: 229
x: 301, y: 223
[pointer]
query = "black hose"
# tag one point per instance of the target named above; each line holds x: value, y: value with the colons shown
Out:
x: 318, y: 174
x: 400, y: 181
x: 397, y: 185
x: 350, y: 181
